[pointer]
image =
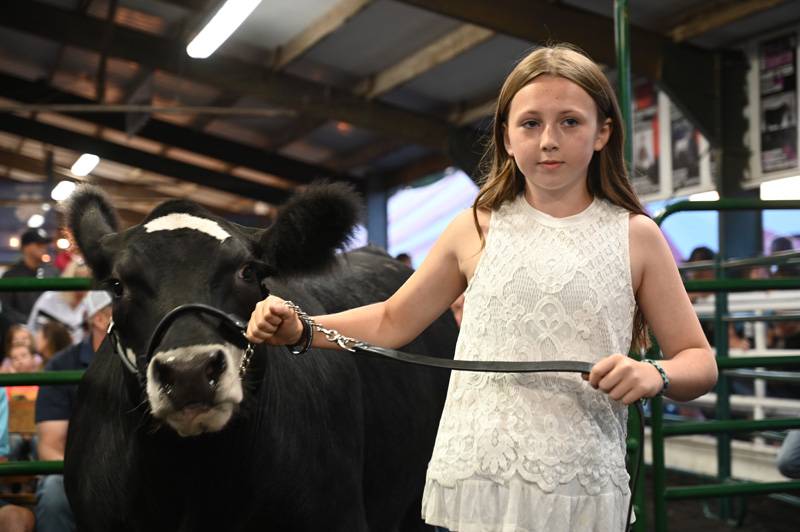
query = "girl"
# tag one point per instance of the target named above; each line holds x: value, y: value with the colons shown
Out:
x: 558, y: 261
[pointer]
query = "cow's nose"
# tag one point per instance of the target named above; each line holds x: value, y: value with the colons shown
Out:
x: 192, y: 381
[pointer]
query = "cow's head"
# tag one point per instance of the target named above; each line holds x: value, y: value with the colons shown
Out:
x: 182, y: 254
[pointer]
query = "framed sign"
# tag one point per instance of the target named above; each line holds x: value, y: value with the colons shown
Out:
x: 777, y: 69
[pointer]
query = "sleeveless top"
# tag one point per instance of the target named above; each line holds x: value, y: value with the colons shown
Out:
x: 538, y: 452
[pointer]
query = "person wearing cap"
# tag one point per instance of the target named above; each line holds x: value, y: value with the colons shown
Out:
x: 54, y: 406
x: 16, y: 306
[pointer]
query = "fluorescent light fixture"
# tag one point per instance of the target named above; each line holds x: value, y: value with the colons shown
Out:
x: 62, y: 243
x: 781, y: 189
x: 229, y: 17
x: 85, y: 164
x: 63, y: 189
x: 711, y: 195
x: 36, y: 220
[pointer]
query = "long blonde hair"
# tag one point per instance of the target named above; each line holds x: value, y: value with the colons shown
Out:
x: 607, y: 176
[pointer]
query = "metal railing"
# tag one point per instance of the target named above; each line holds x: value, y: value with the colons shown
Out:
x: 722, y: 426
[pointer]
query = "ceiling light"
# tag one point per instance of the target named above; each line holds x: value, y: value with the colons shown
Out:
x: 62, y: 243
x: 63, y: 189
x: 85, y: 164
x: 220, y: 27
x: 13, y: 242
x: 36, y: 220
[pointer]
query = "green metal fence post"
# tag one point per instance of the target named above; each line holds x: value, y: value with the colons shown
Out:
x: 622, y: 38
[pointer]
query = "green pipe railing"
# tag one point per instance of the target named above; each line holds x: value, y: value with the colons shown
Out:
x: 732, y: 488
x: 725, y: 204
x: 686, y: 428
x: 723, y: 426
x: 44, y: 378
x: 32, y: 284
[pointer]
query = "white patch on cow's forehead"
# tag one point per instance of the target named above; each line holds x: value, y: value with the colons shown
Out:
x: 181, y: 220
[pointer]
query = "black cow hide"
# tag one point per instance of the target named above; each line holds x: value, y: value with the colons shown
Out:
x: 326, y: 441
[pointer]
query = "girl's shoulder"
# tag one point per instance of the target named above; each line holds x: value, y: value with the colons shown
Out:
x: 643, y: 229
x: 464, y: 222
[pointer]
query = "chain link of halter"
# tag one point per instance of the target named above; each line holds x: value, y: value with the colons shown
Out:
x: 248, y: 354
x: 332, y: 335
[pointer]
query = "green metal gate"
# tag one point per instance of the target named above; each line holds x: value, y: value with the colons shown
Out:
x: 723, y: 426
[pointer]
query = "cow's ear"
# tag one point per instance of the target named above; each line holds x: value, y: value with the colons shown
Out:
x: 92, y: 220
x: 310, y: 227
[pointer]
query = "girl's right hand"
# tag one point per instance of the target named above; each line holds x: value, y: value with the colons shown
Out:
x: 274, y: 323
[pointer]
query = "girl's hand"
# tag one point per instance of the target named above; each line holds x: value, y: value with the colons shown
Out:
x: 274, y: 323
x: 625, y: 379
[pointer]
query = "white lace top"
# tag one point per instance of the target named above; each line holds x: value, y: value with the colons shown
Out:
x: 538, y: 452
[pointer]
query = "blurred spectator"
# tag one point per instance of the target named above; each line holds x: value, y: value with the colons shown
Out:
x: 700, y: 254
x: 405, y: 258
x: 779, y: 245
x: 12, y: 518
x: 33, y: 244
x: 23, y: 359
x: 786, y: 334
x: 51, y: 338
x: 17, y: 335
x: 53, y: 409
x: 66, y: 308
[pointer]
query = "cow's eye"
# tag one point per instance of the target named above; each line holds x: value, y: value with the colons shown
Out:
x: 248, y: 273
x: 115, y: 287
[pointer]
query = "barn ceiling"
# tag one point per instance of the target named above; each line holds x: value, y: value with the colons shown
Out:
x: 356, y: 90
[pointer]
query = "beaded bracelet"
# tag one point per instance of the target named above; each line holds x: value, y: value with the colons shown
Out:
x: 661, y: 372
x: 306, y: 337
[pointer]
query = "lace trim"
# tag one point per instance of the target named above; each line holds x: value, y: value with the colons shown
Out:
x: 541, y: 292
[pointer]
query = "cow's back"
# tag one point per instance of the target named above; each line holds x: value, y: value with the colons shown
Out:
x: 402, y: 402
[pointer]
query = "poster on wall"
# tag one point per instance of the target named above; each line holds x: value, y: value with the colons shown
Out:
x: 778, y: 112
x: 646, y: 178
x: 685, y: 150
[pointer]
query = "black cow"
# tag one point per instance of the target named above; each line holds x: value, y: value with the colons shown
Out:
x: 326, y: 441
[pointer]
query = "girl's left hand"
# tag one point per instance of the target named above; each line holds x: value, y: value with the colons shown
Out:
x: 625, y: 379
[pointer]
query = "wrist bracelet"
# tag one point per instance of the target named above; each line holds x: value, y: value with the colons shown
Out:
x: 661, y: 372
x: 306, y: 338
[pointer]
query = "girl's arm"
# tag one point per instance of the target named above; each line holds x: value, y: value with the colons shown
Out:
x: 689, y: 362
x: 391, y: 323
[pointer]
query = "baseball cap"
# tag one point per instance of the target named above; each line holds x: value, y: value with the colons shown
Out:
x: 96, y: 300
x: 35, y: 236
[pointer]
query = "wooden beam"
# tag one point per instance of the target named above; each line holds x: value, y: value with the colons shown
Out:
x: 162, y: 132
x: 540, y: 21
x: 442, y: 50
x: 711, y: 17
x: 102, y: 63
x: 225, y: 99
x: 73, y: 140
x: 466, y: 115
x: 361, y: 156
x: 225, y: 73
x: 652, y: 55
x: 328, y: 23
